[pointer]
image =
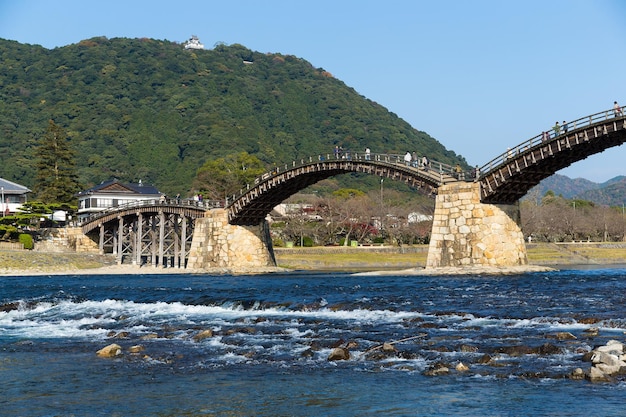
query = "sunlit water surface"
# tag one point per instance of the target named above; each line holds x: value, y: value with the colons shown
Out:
x: 273, y: 334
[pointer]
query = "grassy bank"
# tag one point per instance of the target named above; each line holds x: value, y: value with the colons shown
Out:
x: 24, y: 260
x: 353, y: 259
x: 547, y: 254
x: 334, y: 258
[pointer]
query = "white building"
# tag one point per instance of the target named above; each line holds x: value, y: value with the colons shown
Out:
x: 113, y: 194
x: 193, y: 43
x: 12, y: 196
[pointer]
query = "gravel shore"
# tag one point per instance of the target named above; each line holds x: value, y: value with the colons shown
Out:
x: 470, y: 270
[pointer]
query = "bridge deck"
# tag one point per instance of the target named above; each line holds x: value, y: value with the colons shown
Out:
x: 504, y: 179
x: 254, y: 203
x: 509, y: 176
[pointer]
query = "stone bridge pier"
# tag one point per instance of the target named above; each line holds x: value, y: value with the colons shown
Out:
x: 467, y: 232
x: 218, y: 244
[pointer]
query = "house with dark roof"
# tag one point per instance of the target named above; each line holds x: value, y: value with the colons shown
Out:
x: 12, y: 196
x: 113, y: 194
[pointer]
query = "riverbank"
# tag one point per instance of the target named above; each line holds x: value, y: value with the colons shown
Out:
x: 21, y: 262
x: 369, y: 258
x: 409, y: 259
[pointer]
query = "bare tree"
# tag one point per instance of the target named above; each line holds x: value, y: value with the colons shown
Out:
x: 558, y: 219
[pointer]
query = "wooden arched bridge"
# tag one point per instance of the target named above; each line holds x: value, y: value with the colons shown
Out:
x: 161, y: 232
x: 253, y: 204
x: 509, y: 176
x: 504, y: 179
x: 156, y: 232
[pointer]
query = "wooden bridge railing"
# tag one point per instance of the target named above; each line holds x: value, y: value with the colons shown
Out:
x: 169, y: 202
x: 548, y: 136
x: 379, y: 158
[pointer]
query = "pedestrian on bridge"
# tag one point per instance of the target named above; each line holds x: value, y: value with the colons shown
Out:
x: 617, y: 109
x: 407, y: 158
x: 557, y: 129
x: 367, y: 154
x: 425, y: 163
x: 564, y: 127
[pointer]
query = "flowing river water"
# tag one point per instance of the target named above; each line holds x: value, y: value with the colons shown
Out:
x: 267, y: 352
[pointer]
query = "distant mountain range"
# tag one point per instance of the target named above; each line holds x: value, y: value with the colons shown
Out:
x: 609, y: 193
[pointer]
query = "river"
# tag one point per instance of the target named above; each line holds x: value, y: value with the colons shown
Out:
x: 271, y: 337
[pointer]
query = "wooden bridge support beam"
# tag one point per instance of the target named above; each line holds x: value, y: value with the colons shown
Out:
x: 468, y: 233
x: 138, y: 240
x: 101, y: 239
x: 176, y: 242
x: 153, y: 244
x: 161, y: 238
x: 183, y: 241
x: 120, y: 240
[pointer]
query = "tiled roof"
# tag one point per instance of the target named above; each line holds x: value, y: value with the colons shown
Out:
x: 114, y: 186
x: 13, y: 188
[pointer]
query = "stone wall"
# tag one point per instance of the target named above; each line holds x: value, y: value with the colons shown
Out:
x: 467, y: 232
x: 217, y: 244
x: 321, y: 250
x: 66, y: 239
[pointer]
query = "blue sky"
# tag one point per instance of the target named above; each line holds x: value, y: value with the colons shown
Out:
x: 479, y: 76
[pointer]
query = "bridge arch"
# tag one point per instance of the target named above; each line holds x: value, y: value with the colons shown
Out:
x: 156, y: 232
x: 509, y: 176
x: 161, y: 231
x: 252, y: 205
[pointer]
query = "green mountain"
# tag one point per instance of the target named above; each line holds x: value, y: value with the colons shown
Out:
x: 149, y: 109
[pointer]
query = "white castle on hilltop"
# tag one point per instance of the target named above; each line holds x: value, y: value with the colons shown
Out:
x: 194, y: 43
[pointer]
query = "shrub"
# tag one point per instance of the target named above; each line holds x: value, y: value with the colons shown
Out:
x: 27, y: 241
x: 7, y: 232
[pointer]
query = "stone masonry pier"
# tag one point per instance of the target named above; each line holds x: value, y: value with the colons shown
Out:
x: 218, y: 244
x: 467, y: 232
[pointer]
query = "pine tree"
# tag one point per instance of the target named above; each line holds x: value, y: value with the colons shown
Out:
x: 56, y: 180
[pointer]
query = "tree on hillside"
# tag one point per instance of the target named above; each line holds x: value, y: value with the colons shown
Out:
x: 56, y: 179
x: 223, y: 177
x: 149, y: 109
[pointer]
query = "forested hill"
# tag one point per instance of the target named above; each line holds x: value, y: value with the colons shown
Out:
x: 151, y: 110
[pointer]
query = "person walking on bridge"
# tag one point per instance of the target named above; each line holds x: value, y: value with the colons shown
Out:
x: 557, y: 129
x: 407, y: 158
x: 425, y: 163
x: 617, y: 110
